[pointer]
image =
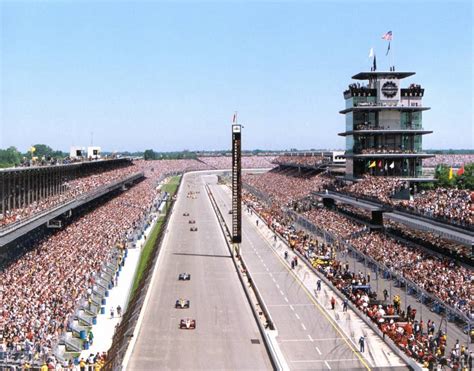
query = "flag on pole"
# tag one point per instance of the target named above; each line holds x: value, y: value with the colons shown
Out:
x: 450, y: 176
x: 372, y: 164
x: 32, y: 149
x: 372, y: 55
x: 387, y: 36
x: 380, y: 163
x: 392, y: 165
x: 460, y: 171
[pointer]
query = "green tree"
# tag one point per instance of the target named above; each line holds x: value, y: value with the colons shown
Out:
x: 41, y: 150
x: 463, y: 181
x: 149, y: 154
x: 466, y: 180
x: 442, y: 174
x: 9, y: 157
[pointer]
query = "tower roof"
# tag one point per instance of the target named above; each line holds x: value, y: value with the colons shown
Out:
x: 382, y: 74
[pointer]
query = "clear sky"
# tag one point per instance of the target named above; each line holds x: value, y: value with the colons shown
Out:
x: 169, y: 75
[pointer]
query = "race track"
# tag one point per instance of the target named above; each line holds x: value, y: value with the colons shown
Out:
x: 226, y: 335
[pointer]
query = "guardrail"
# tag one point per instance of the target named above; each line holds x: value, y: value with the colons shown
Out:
x: 227, y: 236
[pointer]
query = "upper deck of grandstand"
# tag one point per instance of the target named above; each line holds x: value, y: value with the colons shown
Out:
x: 71, y: 165
x: 28, y: 191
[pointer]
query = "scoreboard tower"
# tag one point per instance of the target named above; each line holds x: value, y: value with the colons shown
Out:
x: 236, y: 187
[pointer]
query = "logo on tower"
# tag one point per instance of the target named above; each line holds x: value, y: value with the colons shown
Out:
x: 389, y: 89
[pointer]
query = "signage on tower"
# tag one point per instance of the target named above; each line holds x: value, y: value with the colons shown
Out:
x: 388, y: 90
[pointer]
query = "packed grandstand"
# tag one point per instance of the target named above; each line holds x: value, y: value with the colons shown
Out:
x: 43, y: 281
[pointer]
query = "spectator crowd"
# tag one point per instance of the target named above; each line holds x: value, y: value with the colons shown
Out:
x: 451, y: 204
x: 444, y: 278
x: 72, y: 188
x: 248, y: 162
x: 309, y: 161
x: 450, y: 160
x: 40, y: 290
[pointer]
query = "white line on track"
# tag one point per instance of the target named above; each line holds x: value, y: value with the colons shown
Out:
x: 291, y: 307
x: 287, y: 305
x: 296, y: 314
x: 286, y: 299
x: 317, y: 349
x: 323, y: 360
x: 278, y: 286
x: 302, y: 325
x: 310, y: 338
x: 281, y: 292
x: 327, y: 364
x: 305, y: 339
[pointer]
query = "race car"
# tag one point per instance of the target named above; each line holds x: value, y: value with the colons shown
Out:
x: 182, y: 304
x: 193, y: 229
x: 192, y: 221
x: 185, y: 214
x: 187, y: 324
x: 184, y: 277
x: 320, y: 261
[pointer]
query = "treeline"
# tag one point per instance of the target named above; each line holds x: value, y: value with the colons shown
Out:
x: 12, y: 157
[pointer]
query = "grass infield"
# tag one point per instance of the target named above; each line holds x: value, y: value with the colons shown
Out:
x: 171, y: 186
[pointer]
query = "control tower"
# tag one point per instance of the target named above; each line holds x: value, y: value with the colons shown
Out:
x: 384, y: 126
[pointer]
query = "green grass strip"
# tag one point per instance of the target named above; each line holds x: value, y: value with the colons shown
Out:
x: 171, y: 186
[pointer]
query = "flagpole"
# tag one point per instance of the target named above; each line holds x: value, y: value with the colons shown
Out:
x: 391, y: 57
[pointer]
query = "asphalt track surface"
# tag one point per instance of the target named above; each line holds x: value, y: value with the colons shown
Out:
x: 225, y: 325
x: 307, y: 338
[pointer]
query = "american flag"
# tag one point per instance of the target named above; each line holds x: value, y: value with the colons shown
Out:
x: 387, y: 36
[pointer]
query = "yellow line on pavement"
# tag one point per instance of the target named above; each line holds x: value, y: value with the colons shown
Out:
x: 316, y: 304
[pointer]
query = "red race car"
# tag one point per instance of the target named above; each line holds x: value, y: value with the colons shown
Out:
x: 187, y: 324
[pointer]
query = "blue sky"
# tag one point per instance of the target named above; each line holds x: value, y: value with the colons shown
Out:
x: 169, y: 76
